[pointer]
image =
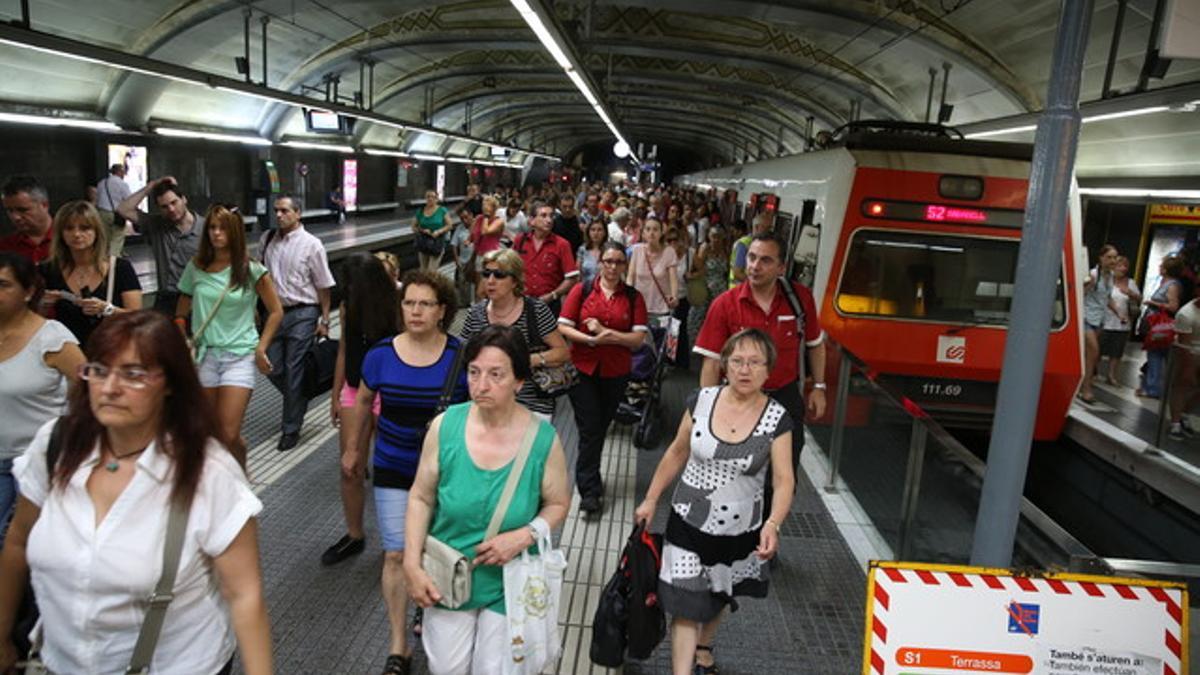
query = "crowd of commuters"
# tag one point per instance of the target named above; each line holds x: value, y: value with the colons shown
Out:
x: 557, y: 284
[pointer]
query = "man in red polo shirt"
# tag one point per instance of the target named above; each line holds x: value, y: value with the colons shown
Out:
x: 761, y: 302
x: 549, y: 261
x: 28, y: 208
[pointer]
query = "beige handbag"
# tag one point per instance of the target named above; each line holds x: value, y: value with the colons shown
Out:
x: 449, y: 569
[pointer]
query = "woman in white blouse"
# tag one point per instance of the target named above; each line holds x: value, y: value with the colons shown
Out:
x: 90, y: 533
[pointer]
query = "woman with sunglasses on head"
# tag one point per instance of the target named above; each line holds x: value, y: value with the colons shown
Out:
x: 80, y: 271
x: 605, y: 321
x: 219, y: 291
x: 38, y: 357
x: 506, y: 304
x: 409, y: 372
x: 91, y: 522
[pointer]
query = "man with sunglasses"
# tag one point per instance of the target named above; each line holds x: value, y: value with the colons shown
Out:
x: 550, y: 269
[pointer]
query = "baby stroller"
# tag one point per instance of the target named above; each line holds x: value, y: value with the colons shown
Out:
x: 641, y: 405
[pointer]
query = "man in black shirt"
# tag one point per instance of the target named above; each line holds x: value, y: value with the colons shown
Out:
x: 566, y: 223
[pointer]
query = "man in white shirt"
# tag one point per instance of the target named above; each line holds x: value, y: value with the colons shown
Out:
x: 110, y: 192
x: 299, y: 267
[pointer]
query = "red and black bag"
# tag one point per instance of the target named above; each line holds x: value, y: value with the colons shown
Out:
x: 629, y: 619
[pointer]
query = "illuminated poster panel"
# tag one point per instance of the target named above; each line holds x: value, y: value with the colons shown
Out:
x: 136, y: 169
x: 350, y: 184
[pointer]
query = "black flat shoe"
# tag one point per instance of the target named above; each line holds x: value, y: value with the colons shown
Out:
x: 397, y: 665
x: 288, y: 441
x: 591, y: 505
x: 705, y: 670
x: 344, y: 548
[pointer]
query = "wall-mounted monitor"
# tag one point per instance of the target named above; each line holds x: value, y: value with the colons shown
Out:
x: 326, y: 122
x: 500, y: 152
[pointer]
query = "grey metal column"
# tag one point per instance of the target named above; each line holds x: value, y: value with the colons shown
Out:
x: 1033, y: 295
x: 839, y: 422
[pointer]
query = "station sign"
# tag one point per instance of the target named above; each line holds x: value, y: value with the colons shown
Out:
x: 1180, y: 214
x: 926, y: 619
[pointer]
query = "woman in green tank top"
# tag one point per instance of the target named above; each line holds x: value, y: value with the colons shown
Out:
x: 433, y: 222
x: 467, y: 456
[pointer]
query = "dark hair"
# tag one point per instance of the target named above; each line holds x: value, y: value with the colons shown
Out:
x: 296, y: 202
x: 26, y: 274
x: 227, y: 219
x: 187, y: 418
x: 774, y: 238
x: 366, y: 287
x: 27, y: 184
x: 1173, y: 266
x: 508, y: 340
x: 538, y: 205
x: 1106, y: 248
x: 163, y: 188
x: 756, y: 337
x: 441, y: 287
x: 611, y: 245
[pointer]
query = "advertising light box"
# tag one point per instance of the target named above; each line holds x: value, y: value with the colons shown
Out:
x: 944, y: 620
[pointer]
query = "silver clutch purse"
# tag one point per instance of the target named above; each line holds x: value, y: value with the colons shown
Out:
x: 450, y: 571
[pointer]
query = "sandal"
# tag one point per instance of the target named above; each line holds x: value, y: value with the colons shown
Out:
x: 418, y: 619
x: 702, y: 669
x: 397, y: 665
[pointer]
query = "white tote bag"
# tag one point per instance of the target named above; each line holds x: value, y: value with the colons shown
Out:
x: 532, y: 586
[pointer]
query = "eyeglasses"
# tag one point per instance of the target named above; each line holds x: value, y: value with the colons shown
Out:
x: 499, y: 274
x: 128, y: 377
x: 738, y: 363
x: 613, y: 261
x: 423, y: 304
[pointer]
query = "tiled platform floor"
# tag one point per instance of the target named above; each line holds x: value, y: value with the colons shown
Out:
x: 332, y: 620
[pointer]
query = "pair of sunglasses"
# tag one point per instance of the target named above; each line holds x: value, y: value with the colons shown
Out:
x: 499, y: 274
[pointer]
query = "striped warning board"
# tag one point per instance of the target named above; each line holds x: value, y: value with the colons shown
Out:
x: 939, y: 619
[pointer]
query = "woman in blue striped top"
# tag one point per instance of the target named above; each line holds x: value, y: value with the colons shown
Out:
x: 408, y: 371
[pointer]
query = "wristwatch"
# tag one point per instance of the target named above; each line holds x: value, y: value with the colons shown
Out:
x: 324, y: 321
x: 108, y: 310
x: 819, y: 385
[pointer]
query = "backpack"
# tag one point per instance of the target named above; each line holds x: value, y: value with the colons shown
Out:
x: 629, y: 618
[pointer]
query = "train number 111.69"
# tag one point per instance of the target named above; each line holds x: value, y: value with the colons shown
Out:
x: 940, y: 389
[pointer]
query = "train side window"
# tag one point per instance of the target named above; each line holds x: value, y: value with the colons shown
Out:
x: 933, y: 277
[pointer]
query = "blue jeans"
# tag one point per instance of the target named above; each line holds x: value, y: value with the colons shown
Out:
x: 8, y: 496
x: 1152, y: 378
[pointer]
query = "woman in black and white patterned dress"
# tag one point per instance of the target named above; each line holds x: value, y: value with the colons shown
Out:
x: 720, y: 534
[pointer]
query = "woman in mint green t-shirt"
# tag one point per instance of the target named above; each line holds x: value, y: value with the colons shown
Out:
x: 433, y: 223
x: 219, y: 291
x: 467, y: 456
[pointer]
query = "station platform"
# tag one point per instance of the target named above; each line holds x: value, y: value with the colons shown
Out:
x: 333, y: 619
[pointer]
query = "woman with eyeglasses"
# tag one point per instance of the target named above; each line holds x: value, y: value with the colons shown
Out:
x: 80, y: 270
x: 507, y: 305
x: 605, y: 321
x: 38, y: 357
x: 408, y: 372
x: 90, y: 524
x: 720, y: 534
x: 219, y: 291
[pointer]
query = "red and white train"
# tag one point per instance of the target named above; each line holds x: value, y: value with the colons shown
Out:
x: 908, y: 238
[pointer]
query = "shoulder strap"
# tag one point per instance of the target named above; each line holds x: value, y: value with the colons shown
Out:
x: 530, y: 335
x: 451, y: 382
x: 631, y: 294
x: 514, y: 476
x: 112, y: 276
x: 212, y: 313
x: 143, y: 650
x: 789, y: 292
x: 262, y: 255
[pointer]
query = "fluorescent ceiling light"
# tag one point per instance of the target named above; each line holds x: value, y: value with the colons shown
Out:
x: 1126, y: 113
x: 212, y: 136
x: 1139, y: 192
x: 460, y: 160
x: 429, y: 158
x: 1001, y: 132
x: 582, y: 87
x: 319, y: 146
x: 50, y: 121
x: 385, y: 153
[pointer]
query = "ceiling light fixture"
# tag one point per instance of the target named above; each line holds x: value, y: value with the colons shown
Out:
x: 385, y: 153
x: 319, y: 146
x: 52, y: 121
x: 1139, y: 193
x: 211, y: 136
x: 428, y: 158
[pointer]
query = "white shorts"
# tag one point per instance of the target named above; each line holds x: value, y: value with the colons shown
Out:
x: 465, y: 642
x: 224, y: 369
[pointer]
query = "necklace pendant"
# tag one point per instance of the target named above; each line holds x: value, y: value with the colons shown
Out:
x: 112, y: 466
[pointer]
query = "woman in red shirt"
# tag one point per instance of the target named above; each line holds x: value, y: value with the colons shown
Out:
x: 485, y: 235
x: 604, y: 321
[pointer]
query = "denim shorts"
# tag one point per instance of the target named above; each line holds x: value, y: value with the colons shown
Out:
x: 224, y: 369
x: 391, y: 505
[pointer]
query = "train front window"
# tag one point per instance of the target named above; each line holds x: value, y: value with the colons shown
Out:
x: 932, y: 277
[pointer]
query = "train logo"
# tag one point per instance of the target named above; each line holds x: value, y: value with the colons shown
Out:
x: 951, y: 349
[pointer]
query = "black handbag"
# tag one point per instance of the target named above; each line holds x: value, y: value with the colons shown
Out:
x: 319, y: 364
x: 430, y: 245
x: 629, y: 618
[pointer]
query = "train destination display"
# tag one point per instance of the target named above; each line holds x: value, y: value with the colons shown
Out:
x: 926, y: 619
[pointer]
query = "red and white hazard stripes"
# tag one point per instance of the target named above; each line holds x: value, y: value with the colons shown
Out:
x: 888, y: 577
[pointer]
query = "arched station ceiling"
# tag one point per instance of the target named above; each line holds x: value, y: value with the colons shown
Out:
x: 721, y: 78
